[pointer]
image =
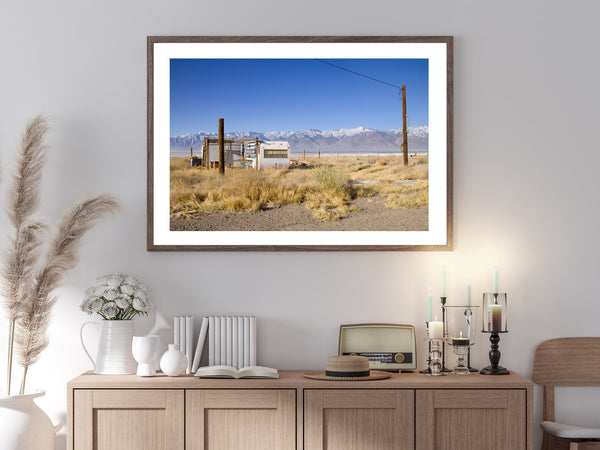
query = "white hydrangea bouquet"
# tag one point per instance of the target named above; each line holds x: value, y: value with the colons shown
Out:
x: 117, y: 296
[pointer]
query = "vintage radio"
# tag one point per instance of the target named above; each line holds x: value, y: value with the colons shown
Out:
x: 388, y: 346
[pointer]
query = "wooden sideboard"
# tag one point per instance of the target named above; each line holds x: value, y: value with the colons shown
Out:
x: 407, y: 411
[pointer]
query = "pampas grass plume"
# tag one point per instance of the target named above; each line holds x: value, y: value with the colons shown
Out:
x: 27, y: 284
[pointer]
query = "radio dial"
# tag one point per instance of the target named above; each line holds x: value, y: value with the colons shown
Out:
x: 399, y: 357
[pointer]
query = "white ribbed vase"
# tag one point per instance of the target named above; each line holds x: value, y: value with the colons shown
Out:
x: 114, y: 348
x: 23, y: 425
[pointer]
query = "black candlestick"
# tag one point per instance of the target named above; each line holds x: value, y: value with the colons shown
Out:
x: 469, y: 362
x: 444, y: 368
x: 494, y: 369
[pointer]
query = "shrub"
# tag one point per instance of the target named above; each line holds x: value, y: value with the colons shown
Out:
x: 327, y: 178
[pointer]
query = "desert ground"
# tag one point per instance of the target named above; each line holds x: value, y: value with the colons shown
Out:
x: 334, y: 193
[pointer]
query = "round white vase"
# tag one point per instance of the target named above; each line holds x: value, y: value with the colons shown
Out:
x: 173, y: 361
x: 24, y: 426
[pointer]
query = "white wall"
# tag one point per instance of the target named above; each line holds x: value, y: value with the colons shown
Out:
x: 525, y: 173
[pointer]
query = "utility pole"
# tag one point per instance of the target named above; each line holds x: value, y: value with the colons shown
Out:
x: 205, y: 154
x: 221, y: 146
x: 404, y: 132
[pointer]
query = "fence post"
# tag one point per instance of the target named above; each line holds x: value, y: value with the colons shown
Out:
x: 256, y: 154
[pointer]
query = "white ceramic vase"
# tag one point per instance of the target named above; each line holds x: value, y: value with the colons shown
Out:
x: 173, y: 362
x: 146, y: 351
x: 114, y: 347
x: 24, y: 426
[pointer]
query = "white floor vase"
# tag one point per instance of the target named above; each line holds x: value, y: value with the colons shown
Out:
x: 24, y: 426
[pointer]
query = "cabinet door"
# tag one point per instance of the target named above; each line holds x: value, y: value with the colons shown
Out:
x: 355, y: 419
x: 238, y: 419
x: 471, y: 419
x: 123, y: 419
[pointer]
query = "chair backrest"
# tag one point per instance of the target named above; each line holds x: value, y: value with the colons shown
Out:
x: 572, y: 361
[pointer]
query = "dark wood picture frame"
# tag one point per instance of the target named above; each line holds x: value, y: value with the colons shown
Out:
x: 154, y: 244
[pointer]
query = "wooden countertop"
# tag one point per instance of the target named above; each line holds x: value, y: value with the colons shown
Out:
x: 294, y: 379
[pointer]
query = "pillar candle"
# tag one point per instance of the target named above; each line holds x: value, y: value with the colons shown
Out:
x: 460, y: 340
x: 436, y: 330
x: 495, y: 318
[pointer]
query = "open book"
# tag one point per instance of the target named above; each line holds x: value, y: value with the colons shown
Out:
x: 232, y: 372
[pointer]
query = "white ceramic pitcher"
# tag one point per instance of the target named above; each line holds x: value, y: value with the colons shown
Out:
x: 24, y: 426
x: 114, y: 347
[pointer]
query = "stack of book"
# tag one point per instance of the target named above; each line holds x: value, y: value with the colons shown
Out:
x: 183, y: 337
x: 231, y: 340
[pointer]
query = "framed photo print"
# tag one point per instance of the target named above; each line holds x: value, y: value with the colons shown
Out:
x: 299, y: 143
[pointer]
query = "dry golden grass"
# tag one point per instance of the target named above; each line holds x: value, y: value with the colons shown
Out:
x: 326, y: 187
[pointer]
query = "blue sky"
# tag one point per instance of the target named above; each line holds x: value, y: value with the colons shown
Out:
x: 295, y: 94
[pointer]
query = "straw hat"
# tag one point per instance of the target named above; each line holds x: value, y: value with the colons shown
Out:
x: 347, y: 368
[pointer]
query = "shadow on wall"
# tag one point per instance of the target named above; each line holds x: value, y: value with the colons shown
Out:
x: 307, y: 346
x: 61, y: 442
x: 61, y: 437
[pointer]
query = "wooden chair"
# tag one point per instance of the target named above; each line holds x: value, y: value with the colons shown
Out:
x: 573, y: 361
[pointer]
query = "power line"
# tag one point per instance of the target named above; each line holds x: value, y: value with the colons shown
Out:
x: 402, y: 92
x: 356, y: 73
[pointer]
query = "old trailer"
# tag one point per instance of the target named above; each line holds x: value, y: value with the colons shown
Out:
x: 270, y: 155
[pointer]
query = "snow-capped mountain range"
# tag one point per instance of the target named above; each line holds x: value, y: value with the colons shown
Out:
x: 359, y: 139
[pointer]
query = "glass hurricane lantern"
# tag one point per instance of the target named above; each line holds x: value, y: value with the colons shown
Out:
x: 494, y: 322
x: 461, y: 334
